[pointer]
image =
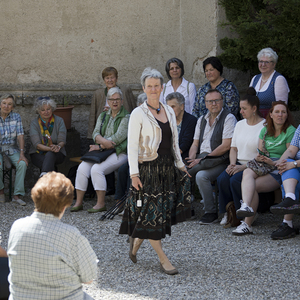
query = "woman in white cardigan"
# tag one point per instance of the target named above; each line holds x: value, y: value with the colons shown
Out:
x: 160, y: 193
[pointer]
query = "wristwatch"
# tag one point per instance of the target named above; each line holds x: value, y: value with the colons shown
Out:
x: 100, y: 148
x: 295, y: 164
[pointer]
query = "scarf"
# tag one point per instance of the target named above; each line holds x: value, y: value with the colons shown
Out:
x: 46, y: 130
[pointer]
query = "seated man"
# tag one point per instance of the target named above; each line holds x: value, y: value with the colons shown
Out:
x: 212, y: 141
x: 185, y: 122
x: 47, y: 258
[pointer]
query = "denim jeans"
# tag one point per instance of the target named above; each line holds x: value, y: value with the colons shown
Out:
x: 21, y: 168
x: 229, y: 190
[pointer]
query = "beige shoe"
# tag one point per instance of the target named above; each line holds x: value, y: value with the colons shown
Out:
x: 19, y: 201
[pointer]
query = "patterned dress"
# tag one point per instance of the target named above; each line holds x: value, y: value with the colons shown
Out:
x: 165, y: 195
x: 230, y: 96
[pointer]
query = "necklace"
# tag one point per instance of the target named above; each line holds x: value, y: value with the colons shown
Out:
x: 157, y: 109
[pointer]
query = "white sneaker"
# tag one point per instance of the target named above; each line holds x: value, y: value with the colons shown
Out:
x: 2, y: 198
x: 243, y: 229
x: 19, y: 201
x: 245, y: 211
x: 224, y: 219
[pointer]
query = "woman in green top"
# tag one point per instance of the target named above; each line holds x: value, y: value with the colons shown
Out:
x: 278, y: 133
x: 113, y: 135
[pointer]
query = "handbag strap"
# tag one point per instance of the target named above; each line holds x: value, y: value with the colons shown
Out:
x: 264, y: 144
x: 102, y: 122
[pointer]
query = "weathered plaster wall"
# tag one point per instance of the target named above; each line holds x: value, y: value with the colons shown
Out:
x: 58, y: 45
x: 57, y: 48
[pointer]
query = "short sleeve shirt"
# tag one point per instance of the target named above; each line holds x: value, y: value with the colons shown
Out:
x: 277, y: 146
x: 10, y: 129
x: 296, y: 142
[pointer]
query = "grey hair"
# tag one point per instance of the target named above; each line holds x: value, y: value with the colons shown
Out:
x: 268, y: 52
x: 141, y: 99
x: 114, y: 90
x: 151, y: 73
x: 41, y: 101
x: 176, y: 95
x: 6, y: 96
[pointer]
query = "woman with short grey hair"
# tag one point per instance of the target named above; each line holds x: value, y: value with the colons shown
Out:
x: 48, y: 135
x: 141, y: 99
x: 44, y: 101
x: 159, y: 195
x: 186, y: 122
x: 270, y: 85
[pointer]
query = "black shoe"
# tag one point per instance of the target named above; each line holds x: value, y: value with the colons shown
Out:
x: 110, y: 192
x: 284, y: 232
x: 287, y: 206
x: 209, y: 218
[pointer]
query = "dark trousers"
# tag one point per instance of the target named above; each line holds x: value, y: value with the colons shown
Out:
x: 47, y: 162
x: 4, y: 271
x: 229, y: 190
x: 123, y: 181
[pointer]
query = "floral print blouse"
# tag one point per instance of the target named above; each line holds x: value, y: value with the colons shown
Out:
x: 230, y: 96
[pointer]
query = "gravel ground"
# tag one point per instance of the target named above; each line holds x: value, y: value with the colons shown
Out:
x: 212, y: 263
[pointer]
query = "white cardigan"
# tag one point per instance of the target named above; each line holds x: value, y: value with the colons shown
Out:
x: 144, y: 138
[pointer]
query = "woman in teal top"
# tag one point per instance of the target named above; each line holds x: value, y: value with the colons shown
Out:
x: 277, y: 133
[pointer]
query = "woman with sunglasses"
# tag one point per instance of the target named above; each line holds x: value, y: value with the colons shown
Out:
x: 270, y: 85
x: 48, y: 136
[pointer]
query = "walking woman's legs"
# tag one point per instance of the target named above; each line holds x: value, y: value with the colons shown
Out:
x: 161, y: 255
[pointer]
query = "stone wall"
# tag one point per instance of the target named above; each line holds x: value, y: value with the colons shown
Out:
x: 59, y: 48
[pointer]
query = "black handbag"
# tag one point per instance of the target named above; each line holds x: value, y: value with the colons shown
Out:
x: 98, y: 156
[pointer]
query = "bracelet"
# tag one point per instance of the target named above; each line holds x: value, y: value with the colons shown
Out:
x: 22, y: 150
x: 59, y: 146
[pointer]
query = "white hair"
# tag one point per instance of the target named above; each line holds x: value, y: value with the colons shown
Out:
x: 268, y: 52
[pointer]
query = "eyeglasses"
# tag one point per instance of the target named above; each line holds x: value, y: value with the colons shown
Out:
x: 43, y: 98
x: 216, y: 101
x: 266, y: 62
x: 112, y: 100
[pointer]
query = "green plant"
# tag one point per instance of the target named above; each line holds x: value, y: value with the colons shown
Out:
x: 259, y: 24
x: 66, y: 100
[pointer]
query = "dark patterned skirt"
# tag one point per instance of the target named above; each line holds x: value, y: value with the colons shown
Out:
x: 166, y: 200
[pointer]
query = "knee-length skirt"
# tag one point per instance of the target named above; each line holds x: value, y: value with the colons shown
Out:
x: 165, y: 200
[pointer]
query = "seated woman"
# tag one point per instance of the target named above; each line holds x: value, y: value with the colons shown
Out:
x: 274, y: 139
x: 110, y: 132
x: 175, y: 72
x: 269, y: 84
x: 48, y: 136
x: 186, y: 123
x: 243, y: 148
x: 12, y: 145
x: 289, y: 168
x: 45, y: 255
x: 99, y: 100
x: 213, y: 70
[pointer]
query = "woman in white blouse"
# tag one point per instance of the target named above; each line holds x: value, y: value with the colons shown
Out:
x: 175, y: 72
x: 270, y: 85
